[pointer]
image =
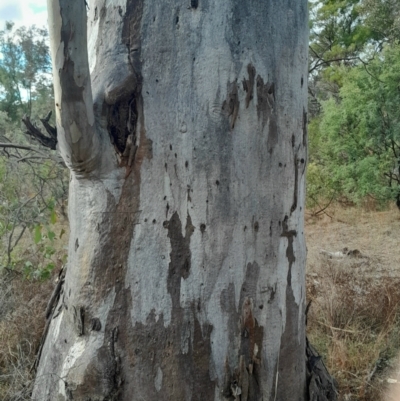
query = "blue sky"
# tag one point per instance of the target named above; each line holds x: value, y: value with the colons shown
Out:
x: 23, y: 12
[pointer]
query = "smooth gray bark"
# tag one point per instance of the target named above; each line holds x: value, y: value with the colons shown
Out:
x: 184, y: 126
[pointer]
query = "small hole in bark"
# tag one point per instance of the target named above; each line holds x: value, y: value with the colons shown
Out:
x: 145, y: 220
x: 256, y: 226
x: 280, y: 164
x: 202, y: 227
x: 302, y: 81
x: 156, y: 80
x: 261, y: 306
x: 176, y: 155
x: 245, y: 228
x: 154, y: 221
x: 95, y: 324
x: 194, y: 3
x: 165, y: 197
x: 207, y: 201
x: 302, y: 160
x: 217, y: 182
x: 186, y: 164
x: 177, y: 20
x: 170, y: 147
x: 194, y: 59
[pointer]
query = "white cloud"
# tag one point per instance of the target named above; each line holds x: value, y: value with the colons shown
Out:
x: 23, y: 12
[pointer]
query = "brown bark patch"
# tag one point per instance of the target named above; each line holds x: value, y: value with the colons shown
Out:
x: 185, y: 376
x: 231, y: 105
x: 245, y: 380
x: 248, y: 84
x: 180, y: 254
x: 291, y: 355
x: 172, y: 363
x: 265, y: 110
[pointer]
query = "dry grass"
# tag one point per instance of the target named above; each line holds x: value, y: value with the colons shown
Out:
x: 354, y: 320
x: 22, y: 306
x: 23, y: 303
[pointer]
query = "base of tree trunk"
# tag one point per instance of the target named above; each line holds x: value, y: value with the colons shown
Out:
x: 321, y: 385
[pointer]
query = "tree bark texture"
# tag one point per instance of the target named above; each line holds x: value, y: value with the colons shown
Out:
x: 184, y: 125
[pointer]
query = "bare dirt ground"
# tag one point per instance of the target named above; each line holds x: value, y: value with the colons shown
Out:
x: 375, y: 234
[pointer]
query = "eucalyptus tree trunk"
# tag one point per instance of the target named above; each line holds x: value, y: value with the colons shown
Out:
x: 183, y: 123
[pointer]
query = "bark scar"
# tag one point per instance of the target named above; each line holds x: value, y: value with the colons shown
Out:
x: 231, y: 104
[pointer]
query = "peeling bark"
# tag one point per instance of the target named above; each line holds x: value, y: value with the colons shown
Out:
x: 183, y: 127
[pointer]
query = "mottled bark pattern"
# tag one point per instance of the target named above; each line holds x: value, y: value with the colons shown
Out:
x: 184, y: 125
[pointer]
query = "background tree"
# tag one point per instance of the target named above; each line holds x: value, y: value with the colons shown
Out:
x: 361, y: 132
x: 24, y: 71
x: 353, y: 139
x: 184, y: 127
x: 32, y: 179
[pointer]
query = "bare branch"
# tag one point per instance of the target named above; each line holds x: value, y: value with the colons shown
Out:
x: 11, y: 247
x: 18, y: 146
x: 52, y: 131
x: 48, y: 142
